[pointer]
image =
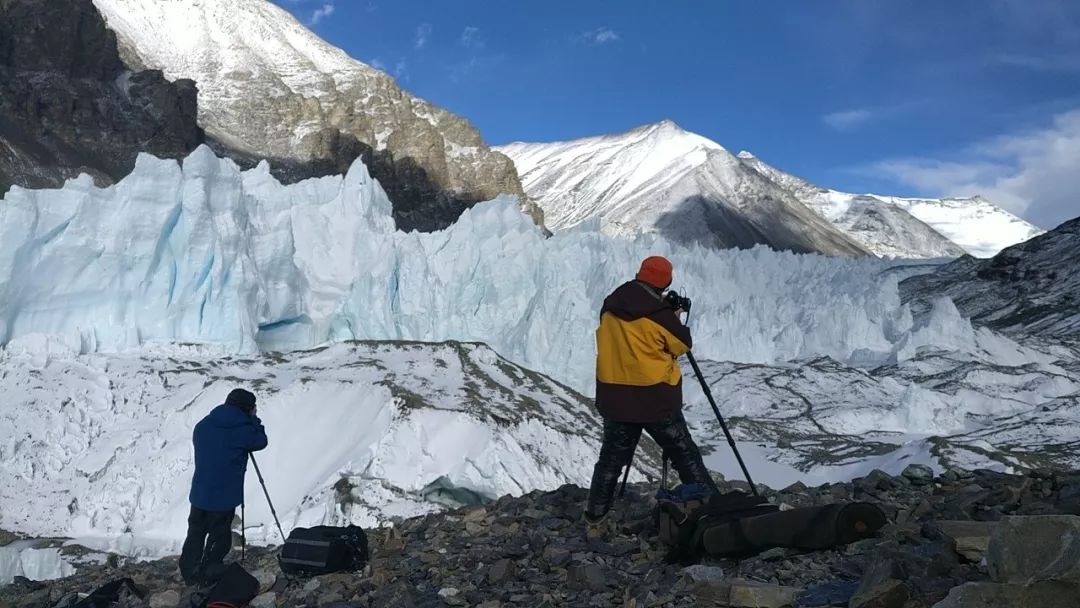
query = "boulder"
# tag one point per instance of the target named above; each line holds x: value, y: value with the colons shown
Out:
x: 918, y: 474
x: 751, y: 594
x: 1036, y: 548
x: 972, y: 538
x: 1045, y: 594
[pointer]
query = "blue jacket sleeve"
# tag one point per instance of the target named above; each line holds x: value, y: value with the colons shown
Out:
x: 251, y: 437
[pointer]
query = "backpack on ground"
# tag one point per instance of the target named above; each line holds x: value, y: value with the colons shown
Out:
x: 324, y: 549
x: 808, y: 529
x: 235, y: 589
x: 111, y: 593
x: 683, y: 513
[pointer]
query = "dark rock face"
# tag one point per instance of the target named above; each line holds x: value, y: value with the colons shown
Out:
x: 1028, y: 289
x: 68, y: 105
x: 533, y: 551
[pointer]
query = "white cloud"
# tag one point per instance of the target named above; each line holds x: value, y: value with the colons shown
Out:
x: 1058, y: 62
x: 601, y: 35
x: 470, y: 38
x: 849, y: 119
x: 461, y: 70
x: 322, y: 12
x: 1033, y: 174
x: 401, y: 70
x: 378, y: 64
x: 423, y: 32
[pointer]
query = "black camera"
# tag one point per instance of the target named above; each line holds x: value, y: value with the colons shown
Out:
x: 676, y: 301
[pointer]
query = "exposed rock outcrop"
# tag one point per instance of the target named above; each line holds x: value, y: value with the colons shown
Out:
x: 68, y: 105
x: 1028, y: 289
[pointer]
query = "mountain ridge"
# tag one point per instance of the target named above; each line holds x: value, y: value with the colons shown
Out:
x: 660, y: 178
x: 602, y: 176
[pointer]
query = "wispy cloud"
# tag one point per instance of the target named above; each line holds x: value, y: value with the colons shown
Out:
x: 599, y: 36
x: 461, y: 70
x: 401, y: 70
x: 471, y: 39
x: 321, y: 13
x: 848, y: 119
x: 1031, y: 173
x: 378, y: 64
x: 855, y: 118
x: 423, y: 32
x: 1057, y: 62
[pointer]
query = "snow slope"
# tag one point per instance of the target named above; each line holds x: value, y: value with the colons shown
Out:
x: 360, y: 432
x: 661, y: 179
x: 976, y: 225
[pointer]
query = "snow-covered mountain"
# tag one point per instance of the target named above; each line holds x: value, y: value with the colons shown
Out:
x: 883, y: 228
x: 126, y: 311
x: 918, y: 227
x: 269, y: 88
x: 661, y: 179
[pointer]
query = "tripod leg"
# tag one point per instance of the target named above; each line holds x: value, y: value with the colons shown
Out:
x: 267, y: 493
x: 243, y: 535
x: 720, y: 419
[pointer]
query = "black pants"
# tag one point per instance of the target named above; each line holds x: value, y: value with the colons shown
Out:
x: 209, y: 538
x: 620, y: 441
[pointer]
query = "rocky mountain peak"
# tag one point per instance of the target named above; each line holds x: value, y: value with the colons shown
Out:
x: 271, y: 89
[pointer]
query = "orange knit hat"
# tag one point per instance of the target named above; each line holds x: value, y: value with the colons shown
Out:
x: 655, y: 271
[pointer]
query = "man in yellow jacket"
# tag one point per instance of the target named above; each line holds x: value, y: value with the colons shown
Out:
x: 639, y: 384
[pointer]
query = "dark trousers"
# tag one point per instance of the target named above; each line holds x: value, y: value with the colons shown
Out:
x: 209, y: 538
x: 620, y: 441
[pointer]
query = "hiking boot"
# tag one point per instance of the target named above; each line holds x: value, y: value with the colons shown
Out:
x: 597, y: 529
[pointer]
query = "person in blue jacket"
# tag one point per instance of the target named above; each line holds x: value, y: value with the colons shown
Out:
x: 222, y: 441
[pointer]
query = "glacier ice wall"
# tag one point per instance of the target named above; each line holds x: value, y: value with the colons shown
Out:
x: 203, y: 253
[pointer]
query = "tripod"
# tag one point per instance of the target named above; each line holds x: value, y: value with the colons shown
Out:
x: 267, y: 493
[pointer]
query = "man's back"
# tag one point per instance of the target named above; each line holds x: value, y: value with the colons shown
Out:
x: 222, y: 442
x: 639, y: 338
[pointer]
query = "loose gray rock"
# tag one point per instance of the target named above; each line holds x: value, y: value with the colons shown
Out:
x: 1046, y: 594
x: 918, y: 474
x: 1037, y: 548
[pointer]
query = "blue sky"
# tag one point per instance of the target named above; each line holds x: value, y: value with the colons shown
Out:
x: 915, y: 97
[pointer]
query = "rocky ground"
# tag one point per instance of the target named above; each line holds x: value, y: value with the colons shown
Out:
x: 955, y: 541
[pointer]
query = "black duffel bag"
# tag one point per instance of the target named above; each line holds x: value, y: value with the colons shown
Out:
x: 324, y: 549
x: 808, y: 529
x: 111, y: 593
x: 235, y: 589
